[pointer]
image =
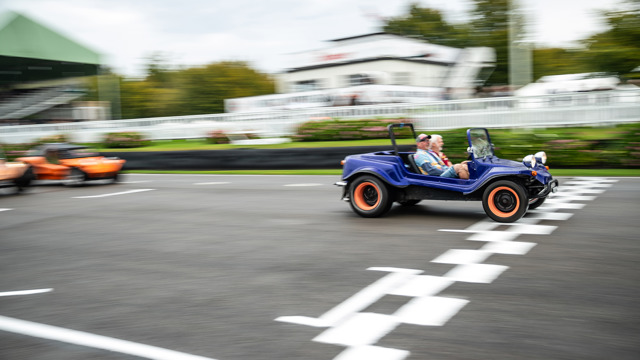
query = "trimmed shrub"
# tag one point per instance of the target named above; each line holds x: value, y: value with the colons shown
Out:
x: 60, y: 138
x: 125, y: 139
x: 217, y: 137
x: 334, y: 129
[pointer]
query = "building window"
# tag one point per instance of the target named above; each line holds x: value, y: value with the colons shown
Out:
x: 360, y: 79
x: 306, y: 85
x: 402, y: 78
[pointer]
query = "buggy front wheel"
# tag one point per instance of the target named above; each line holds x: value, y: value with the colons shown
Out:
x: 505, y: 201
x: 534, y: 203
x: 369, y: 197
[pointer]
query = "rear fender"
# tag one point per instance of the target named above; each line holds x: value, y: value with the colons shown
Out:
x: 387, y: 173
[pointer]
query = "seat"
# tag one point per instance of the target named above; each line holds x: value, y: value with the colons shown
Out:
x: 412, y: 165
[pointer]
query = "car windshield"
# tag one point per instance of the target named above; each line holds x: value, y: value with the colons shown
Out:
x: 479, y: 142
x: 76, y: 153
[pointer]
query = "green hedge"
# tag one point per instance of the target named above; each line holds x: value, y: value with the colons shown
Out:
x: 576, y: 147
x: 124, y: 139
x: 332, y: 130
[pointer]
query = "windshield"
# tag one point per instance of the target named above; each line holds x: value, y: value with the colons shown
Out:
x: 480, y: 143
x: 76, y: 153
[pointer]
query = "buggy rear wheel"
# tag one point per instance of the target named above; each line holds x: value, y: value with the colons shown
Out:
x: 369, y: 197
x: 505, y: 201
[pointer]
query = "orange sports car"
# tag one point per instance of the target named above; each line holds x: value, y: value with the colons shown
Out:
x: 67, y: 162
x: 14, y: 174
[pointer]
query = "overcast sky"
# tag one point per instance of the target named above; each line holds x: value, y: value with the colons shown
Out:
x: 198, y: 32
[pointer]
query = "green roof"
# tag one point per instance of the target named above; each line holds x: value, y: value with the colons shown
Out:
x: 22, y: 37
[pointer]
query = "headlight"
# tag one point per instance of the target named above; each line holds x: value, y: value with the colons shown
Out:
x: 541, y: 157
x: 529, y: 161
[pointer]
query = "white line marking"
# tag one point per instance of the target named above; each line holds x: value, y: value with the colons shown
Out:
x: 543, y: 215
x: 369, y: 352
x: 301, y: 185
x: 360, y: 329
x: 91, y: 340
x: 486, y: 235
x: 493, y: 236
x: 530, y: 229
x: 112, y: 194
x: 430, y: 310
x: 5, y: 209
x: 213, y: 183
x: 423, y: 285
x: 476, y: 273
x: 358, y: 301
x: 25, y: 292
x: 457, y: 256
x: 551, y: 205
x: 509, y: 247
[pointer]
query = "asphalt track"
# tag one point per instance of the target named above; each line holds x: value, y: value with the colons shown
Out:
x: 277, y: 267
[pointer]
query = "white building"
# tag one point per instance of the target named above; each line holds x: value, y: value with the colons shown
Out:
x: 385, y: 63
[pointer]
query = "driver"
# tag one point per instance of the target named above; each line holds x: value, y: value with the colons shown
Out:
x: 431, y: 164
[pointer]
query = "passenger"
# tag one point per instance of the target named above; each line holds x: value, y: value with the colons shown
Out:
x: 436, y: 143
x: 431, y: 164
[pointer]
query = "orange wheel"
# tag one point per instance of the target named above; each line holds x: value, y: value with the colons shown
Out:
x: 369, y: 196
x: 366, y: 196
x: 505, y: 201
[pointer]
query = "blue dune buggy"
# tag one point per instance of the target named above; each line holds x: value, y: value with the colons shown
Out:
x: 372, y: 182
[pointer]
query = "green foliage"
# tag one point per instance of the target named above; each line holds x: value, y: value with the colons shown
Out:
x: 580, y: 147
x: 217, y: 137
x: 334, y: 129
x: 192, y: 91
x: 124, y: 139
x: 428, y: 25
x: 616, y: 50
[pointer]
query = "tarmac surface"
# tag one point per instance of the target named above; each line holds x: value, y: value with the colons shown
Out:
x: 278, y: 267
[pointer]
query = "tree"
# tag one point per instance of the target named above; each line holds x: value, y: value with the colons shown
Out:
x: 198, y: 90
x: 428, y: 25
x: 490, y: 27
x: 617, y: 49
x: 205, y: 88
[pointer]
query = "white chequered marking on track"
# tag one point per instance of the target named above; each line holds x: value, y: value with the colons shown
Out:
x: 358, y: 331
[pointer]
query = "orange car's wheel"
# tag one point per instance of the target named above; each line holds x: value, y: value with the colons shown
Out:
x: 76, y: 177
x: 25, y: 180
x: 369, y: 197
x: 505, y: 201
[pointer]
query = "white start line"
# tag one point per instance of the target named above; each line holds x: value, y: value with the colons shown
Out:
x: 56, y: 333
x: 112, y: 194
x: 360, y: 331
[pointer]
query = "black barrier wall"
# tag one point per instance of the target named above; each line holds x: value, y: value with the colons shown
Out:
x: 244, y: 159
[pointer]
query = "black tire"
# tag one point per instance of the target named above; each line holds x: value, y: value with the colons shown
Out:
x: 76, y: 177
x: 534, y: 203
x: 505, y: 201
x: 369, y: 196
x: 115, y: 178
x: 409, y: 202
x: 24, y: 181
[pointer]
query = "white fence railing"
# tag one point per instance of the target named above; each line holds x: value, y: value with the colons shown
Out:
x: 542, y: 111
